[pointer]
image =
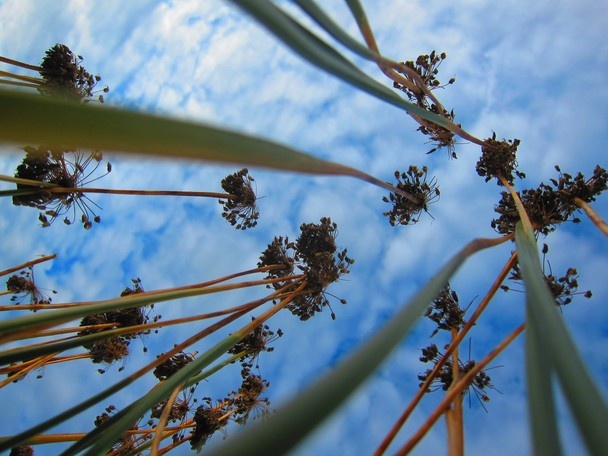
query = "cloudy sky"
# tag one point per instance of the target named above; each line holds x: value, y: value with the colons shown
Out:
x: 533, y: 71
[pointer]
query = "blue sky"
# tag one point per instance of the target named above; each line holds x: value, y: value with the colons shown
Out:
x: 530, y: 71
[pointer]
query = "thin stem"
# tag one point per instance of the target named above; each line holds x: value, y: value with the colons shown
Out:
x: 17, y: 63
x: 28, y: 264
x: 463, y: 332
x: 460, y: 386
x: 19, y: 77
x: 454, y: 416
x: 162, y: 421
x: 595, y: 218
x: 140, y: 192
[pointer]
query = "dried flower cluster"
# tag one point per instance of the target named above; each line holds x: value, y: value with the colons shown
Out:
x: 254, y: 343
x: 446, y: 311
x: 241, y: 209
x: 549, y: 205
x: 498, y: 158
x: 413, y: 182
x: 126, y: 444
x: 115, y: 348
x: 24, y: 287
x: 60, y: 168
x: 238, y: 406
x: 314, y: 253
x: 562, y: 288
x: 172, y: 365
x: 427, y: 67
x: 444, y: 377
x: 64, y: 76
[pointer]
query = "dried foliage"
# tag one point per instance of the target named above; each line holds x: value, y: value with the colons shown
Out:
x: 415, y: 183
x: 315, y: 254
x: 446, y: 311
x: 444, y: 378
x: 562, y: 288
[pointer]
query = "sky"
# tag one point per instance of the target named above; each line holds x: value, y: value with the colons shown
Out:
x: 532, y: 71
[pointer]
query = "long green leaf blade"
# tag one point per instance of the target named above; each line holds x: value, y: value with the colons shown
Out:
x: 317, y: 52
x: 588, y: 407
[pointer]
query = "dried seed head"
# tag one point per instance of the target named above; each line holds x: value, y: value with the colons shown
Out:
x: 64, y: 76
x: 207, y: 423
x: 62, y: 168
x: 413, y: 182
x: 498, y: 158
x: 549, y: 205
x: 322, y: 264
x: 241, y: 211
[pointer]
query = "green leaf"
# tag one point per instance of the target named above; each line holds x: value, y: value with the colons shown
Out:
x: 30, y: 118
x: 319, y: 53
x: 552, y: 342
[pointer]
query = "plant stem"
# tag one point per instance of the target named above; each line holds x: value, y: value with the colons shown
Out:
x: 424, y: 387
x: 28, y: 264
x: 595, y: 218
x: 57, y: 190
x: 458, y: 388
x: 17, y: 63
x: 454, y: 417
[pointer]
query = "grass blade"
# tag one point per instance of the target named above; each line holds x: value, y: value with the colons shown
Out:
x: 317, y: 52
x: 555, y: 344
x: 289, y: 425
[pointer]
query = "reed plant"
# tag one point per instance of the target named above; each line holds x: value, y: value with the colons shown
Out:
x: 294, y: 275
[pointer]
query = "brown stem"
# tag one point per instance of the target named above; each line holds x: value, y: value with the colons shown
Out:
x: 17, y: 63
x: 20, y: 77
x: 595, y: 218
x: 140, y: 192
x: 454, y: 417
x: 463, y: 332
x: 28, y: 264
x: 162, y: 422
x: 18, y: 84
x: 460, y: 386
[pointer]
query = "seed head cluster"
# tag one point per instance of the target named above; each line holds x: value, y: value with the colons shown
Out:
x: 550, y: 204
x: 415, y: 183
x: 498, y: 158
x: 315, y: 254
x: 61, y: 168
x: 241, y: 210
x: 64, y: 77
x: 427, y: 67
x: 446, y: 311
